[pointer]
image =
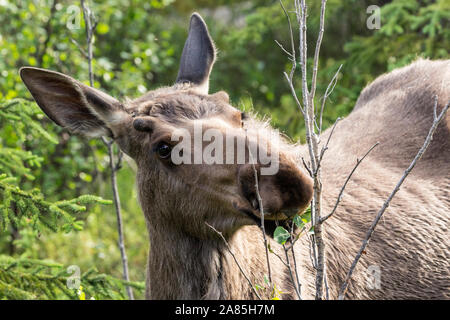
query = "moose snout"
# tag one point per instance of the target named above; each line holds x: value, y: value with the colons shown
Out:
x: 285, y: 193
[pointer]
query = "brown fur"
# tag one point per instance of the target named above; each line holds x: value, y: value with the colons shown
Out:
x: 410, y: 245
x: 188, y: 260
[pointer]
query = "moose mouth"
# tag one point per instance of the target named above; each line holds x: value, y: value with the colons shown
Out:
x: 254, y: 212
x: 271, y: 222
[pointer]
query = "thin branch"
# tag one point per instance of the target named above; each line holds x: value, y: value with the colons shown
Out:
x: 317, y: 51
x: 48, y: 30
x: 328, y: 92
x: 284, y: 50
x: 261, y: 212
x: 325, y: 282
x: 312, y: 252
x: 325, y: 147
x: 292, y: 242
x: 83, y: 52
x: 280, y: 258
x: 119, y: 220
x: 286, y: 253
x: 307, y: 167
x: 436, y: 121
x: 339, y: 198
x: 91, y: 25
x: 297, y: 285
x: 235, y: 259
x: 291, y: 34
x: 294, y: 94
x: 118, y: 165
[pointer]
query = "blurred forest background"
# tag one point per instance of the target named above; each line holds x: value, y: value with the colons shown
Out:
x: 137, y: 48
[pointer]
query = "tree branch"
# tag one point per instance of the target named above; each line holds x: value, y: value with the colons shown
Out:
x: 235, y: 259
x: 261, y: 212
x: 436, y: 121
x: 48, y: 30
x: 91, y: 25
x: 328, y: 92
x: 339, y: 198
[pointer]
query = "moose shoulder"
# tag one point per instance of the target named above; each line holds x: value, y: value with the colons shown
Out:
x: 188, y: 260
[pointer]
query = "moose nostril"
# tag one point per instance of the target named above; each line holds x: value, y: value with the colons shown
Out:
x: 295, y: 188
x: 288, y: 192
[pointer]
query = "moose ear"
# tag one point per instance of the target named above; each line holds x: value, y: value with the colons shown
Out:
x: 71, y: 104
x: 198, y: 55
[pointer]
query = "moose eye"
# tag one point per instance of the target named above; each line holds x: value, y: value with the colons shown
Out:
x: 163, y: 150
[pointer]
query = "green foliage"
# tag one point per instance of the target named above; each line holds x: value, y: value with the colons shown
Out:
x: 136, y: 48
x: 301, y: 220
x: 20, y: 206
x: 29, y: 210
x: 281, y: 235
x: 43, y: 279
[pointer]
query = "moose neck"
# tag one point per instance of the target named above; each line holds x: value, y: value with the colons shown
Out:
x: 181, y: 266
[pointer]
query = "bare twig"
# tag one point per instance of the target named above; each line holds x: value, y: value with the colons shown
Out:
x: 325, y: 147
x: 436, y: 121
x: 291, y: 34
x: 286, y: 253
x: 317, y: 51
x: 118, y: 165
x: 91, y: 24
x: 328, y: 92
x: 297, y: 285
x: 119, y: 217
x: 339, y: 198
x: 313, y: 143
x: 307, y: 167
x: 279, y: 258
x: 312, y: 138
x: 285, y: 51
x: 261, y: 212
x: 294, y: 94
x: 325, y: 282
x: 292, y: 242
x: 235, y: 259
x: 48, y: 31
x: 83, y: 52
x: 312, y: 252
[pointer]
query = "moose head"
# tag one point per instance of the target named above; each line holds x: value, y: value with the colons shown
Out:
x: 221, y: 188
x: 200, y: 160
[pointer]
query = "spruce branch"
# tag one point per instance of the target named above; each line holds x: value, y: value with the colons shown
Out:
x: 91, y: 25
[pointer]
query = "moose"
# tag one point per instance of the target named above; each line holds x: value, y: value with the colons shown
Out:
x: 187, y: 205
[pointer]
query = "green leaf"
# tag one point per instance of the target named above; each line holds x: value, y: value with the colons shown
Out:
x: 307, y: 215
x: 102, y: 28
x: 298, y: 221
x: 281, y: 235
x: 301, y: 220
